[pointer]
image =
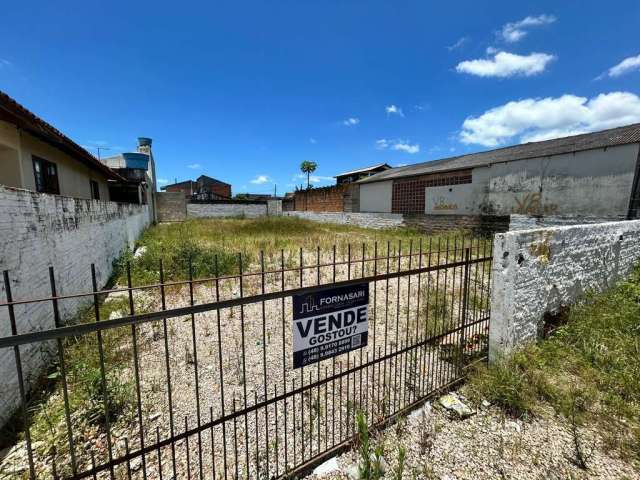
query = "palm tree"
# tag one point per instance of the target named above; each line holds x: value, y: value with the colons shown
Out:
x: 308, y: 167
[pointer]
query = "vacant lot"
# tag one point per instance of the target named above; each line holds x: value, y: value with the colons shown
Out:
x: 189, y: 370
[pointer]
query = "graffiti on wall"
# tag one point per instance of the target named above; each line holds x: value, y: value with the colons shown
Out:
x: 441, y: 203
x: 531, y: 204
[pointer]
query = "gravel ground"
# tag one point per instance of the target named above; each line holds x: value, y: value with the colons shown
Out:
x: 488, y: 445
x: 327, y: 411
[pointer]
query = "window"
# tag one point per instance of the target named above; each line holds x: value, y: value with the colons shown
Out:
x: 95, y: 190
x: 46, y: 175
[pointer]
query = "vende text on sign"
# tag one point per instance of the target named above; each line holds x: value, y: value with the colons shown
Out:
x: 329, y: 322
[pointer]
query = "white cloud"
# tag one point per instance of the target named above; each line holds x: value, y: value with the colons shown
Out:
x: 516, y: 31
x: 163, y: 181
x: 459, y: 43
x: 312, y: 178
x: 505, y: 64
x: 351, y: 121
x: 313, y: 141
x: 194, y: 166
x: 535, y: 119
x: 394, y: 110
x: 382, y: 144
x: 406, y: 147
x: 261, y: 179
x: 627, y: 65
x: 5, y: 63
x: 398, y: 145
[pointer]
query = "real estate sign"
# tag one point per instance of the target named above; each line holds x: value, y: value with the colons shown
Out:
x: 328, y: 322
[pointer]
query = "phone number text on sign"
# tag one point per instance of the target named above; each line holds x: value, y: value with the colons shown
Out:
x: 329, y: 322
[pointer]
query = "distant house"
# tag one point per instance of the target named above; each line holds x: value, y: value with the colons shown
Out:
x: 355, y: 175
x: 36, y: 156
x: 204, y: 188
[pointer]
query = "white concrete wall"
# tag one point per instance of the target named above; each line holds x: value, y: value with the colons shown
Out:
x: 539, y: 271
x: 212, y: 210
x: 274, y: 208
x: 453, y: 199
x: 38, y: 231
x: 590, y: 183
x: 528, y: 222
x: 376, y: 197
x: 365, y: 220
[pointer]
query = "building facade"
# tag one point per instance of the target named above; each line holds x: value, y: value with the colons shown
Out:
x: 589, y: 175
x: 35, y: 156
x: 204, y: 188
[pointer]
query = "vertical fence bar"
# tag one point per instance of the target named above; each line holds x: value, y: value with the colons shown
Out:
x: 195, y: 366
x: 284, y: 366
x: 103, y: 375
x: 244, y: 372
x: 21, y: 387
x: 168, y: 370
x: 63, y: 372
x: 220, y: 370
x: 136, y: 370
x: 159, y: 453
x: 213, y: 445
x: 465, y: 302
x: 264, y: 361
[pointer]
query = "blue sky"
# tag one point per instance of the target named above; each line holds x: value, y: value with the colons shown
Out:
x: 245, y: 91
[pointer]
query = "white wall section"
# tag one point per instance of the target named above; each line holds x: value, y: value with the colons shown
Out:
x: 39, y: 231
x: 376, y: 197
x: 542, y: 270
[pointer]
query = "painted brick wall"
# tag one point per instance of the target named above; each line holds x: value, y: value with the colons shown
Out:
x: 366, y: 220
x: 326, y: 199
x: 172, y: 206
x: 208, y: 210
x: 539, y: 271
x: 39, y: 231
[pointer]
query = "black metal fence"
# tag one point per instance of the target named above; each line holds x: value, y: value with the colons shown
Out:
x: 194, y: 378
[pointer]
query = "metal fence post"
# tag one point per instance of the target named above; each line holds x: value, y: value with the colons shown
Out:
x: 465, y: 303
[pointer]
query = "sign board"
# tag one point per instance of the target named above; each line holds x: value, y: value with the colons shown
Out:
x: 329, y: 322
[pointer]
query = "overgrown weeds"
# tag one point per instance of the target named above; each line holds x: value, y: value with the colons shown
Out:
x: 370, y: 462
x: 206, y: 241
x: 587, y: 370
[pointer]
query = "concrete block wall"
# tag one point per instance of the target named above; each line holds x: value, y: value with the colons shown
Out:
x: 69, y: 234
x: 274, y: 208
x: 366, y: 220
x: 222, y: 209
x: 438, y: 223
x: 541, y: 270
x: 528, y: 222
x: 171, y: 206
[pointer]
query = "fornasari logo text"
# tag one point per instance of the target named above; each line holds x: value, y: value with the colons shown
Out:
x: 342, y: 298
